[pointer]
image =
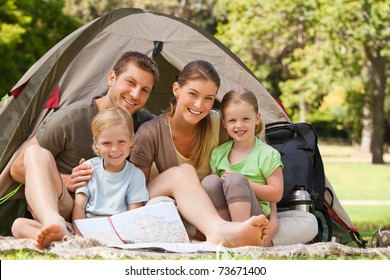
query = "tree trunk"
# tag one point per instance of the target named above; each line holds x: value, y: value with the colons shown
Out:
x: 378, y: 65
x: 365, y: 143
x: 302, y: 109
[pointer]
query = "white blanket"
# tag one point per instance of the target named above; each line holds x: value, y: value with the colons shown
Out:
x: 76, y: 247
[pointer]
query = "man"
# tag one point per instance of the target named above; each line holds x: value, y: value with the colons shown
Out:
x: 65, y: 138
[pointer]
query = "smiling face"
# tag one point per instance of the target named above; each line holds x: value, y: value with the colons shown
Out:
x: 195, y: 99
x: 114, y: 144
x: 131, y: 89
x: 240, y: 120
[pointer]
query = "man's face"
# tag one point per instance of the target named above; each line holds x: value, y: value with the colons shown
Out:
x: 131, y: 89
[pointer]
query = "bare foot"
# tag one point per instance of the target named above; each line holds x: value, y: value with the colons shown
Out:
x: 247, y: 233
x: 48, y: 234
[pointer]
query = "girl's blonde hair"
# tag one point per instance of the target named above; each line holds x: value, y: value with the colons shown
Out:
x: 244, y: 94
x: 198, y: 70
x: 108, y: 118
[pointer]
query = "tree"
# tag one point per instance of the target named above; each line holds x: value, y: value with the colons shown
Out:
x: 302, y: 50
x: 361, y: 33
x: 28, y: 29
x: 12, y: 24
x: 198, y: 12
x: 279, y: 42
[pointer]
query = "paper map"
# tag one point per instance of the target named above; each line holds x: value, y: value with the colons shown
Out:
x: 159, y: 223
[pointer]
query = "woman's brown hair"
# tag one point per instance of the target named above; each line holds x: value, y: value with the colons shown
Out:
x: 198, y: 70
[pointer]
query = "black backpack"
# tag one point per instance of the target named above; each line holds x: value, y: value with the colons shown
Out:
x: 297, y: 144
x: 303, y: 168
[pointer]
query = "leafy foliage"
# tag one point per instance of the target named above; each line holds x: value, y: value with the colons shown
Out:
x: 28, y: 29
x: 303, y: 50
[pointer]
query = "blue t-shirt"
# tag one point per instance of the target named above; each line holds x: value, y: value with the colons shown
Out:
x: 111, y: 193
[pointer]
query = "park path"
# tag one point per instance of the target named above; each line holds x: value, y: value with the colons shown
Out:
x: 365, y: 202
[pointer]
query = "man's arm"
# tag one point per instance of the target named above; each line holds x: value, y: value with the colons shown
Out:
x: 17, y: 168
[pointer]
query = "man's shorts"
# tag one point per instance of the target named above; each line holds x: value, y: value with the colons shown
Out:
x: 65, y: 205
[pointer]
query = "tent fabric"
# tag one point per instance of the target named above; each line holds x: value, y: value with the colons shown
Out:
x: 77, y: 67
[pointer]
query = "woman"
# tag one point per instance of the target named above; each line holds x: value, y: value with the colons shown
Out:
x: 179, y: 142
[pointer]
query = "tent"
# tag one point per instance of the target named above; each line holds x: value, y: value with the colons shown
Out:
x: 77, y: 68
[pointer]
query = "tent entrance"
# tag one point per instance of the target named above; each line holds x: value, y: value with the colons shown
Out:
x: 162, y: 93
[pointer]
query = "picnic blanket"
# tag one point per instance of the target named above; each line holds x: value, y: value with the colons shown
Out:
x: 78, y: 247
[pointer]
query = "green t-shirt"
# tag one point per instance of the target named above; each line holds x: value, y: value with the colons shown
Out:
x: 257, y: 167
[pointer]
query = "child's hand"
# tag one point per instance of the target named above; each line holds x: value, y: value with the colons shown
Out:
x: 225, y: 174
x: 266, y: 238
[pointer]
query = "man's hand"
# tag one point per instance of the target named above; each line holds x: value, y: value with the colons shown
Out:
x: 79, y: 177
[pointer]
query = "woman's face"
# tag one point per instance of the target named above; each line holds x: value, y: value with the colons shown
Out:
x: 194, y: 99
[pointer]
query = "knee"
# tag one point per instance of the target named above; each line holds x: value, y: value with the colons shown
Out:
x: 308, y: 223
x: 35, y: 152
x: 211, y: 182
x: 237, y: 180
x: 16, y: 226
x: 30, y: 157
x: 185, y: 170
x: 312, y: 225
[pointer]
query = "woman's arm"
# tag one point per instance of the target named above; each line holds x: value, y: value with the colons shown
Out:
x: 146, y: 171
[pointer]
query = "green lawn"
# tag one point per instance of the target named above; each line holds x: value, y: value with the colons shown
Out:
x: 354, y: 178
x: 369, y: 217
x: 359, y: 181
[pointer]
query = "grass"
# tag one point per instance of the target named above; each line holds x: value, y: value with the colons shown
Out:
x: 352, y: 178
x: 359, y: 181
x: 368, y: 219
x: 362, y: 181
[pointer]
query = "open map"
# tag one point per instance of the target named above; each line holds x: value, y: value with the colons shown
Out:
x: 159, y: 223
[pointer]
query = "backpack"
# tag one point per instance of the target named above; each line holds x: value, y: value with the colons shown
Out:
x: 303, y: 168
x: 297, y: 145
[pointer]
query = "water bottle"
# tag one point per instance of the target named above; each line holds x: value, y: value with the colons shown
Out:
x: 301, y: 200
